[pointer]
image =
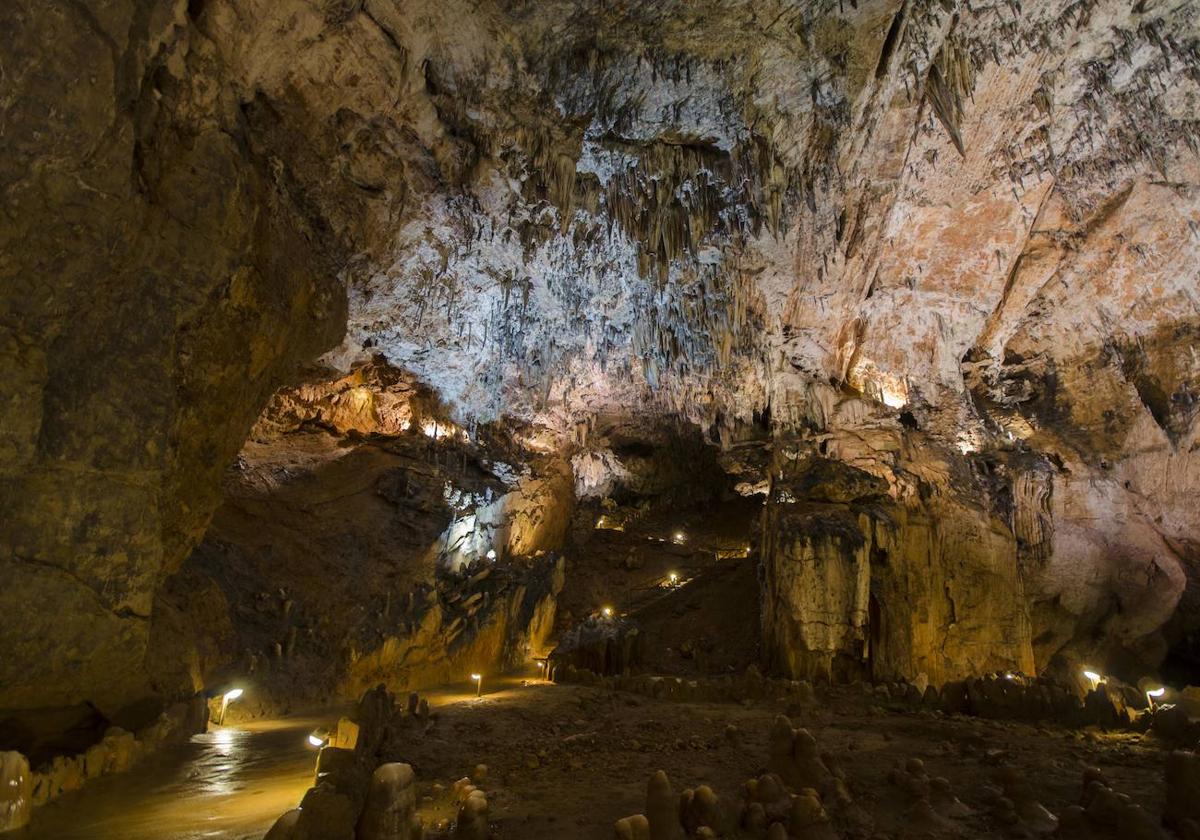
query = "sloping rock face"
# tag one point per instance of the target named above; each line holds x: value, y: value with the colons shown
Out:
x: 954, y: 246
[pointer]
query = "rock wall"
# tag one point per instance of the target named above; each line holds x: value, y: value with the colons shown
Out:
x: 887, y: 556
x: 161, y: 281
x: 832, y: 221
x: 884, y: 592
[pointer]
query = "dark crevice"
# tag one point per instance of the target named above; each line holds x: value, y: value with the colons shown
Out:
x: 889, y: 44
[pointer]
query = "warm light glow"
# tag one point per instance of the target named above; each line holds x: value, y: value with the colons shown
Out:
x: 491, y: 555
x: 607, y: 612
x: 678, y: 537
x: 1158, y: 692
x: 874, y: 383
x: 434, y: 429
x: 232, y: 695
x: 674, y: 578
x: 315, y: 741
x: 1093, y: 678
x: 477, y: 677
x: 1009, y: 677
x: 607, y: 523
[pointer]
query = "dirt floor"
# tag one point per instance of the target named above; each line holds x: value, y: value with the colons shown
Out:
x: 567, y: 761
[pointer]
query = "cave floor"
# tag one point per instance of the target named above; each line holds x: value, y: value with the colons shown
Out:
x: 566, y: 761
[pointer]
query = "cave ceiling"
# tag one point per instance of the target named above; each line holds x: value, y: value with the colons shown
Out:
x: 985, y: 215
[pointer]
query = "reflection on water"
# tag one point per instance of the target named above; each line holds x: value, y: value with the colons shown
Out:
x: 229, y: 784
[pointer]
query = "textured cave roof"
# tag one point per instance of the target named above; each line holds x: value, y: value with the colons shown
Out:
x: 553, y: 210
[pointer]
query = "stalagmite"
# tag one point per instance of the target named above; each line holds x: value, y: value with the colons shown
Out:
x: 389, y: 813
x: 662, y: 808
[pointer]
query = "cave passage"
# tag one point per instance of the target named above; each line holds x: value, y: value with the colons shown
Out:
x: 557, y: 420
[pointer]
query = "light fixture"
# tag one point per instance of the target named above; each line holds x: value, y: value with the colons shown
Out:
x: 678, y: 537
x: 1154, y: 694
x: 491, y: 555
x: 607, y: 612
x: 227, y: 698
x: 478, y: 684
x: 1010, y: 676
x: 1093, y: 678
x: 318, y: 738
x: 673, y: 577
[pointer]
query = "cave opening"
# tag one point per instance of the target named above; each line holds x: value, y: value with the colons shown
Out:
x: 487, y: 419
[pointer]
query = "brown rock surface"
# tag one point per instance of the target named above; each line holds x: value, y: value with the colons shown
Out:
x: 954, y: 248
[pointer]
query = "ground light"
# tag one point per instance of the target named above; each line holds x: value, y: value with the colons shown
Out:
x: 607, y: 612
x: 491, y: 555
x: 318, y: 738
x: 673, y: 578
x: 1154, y: 693
x: 1093, y: 678
x: 678, y: 537
x: 226, y: 699
x: 478, y: 684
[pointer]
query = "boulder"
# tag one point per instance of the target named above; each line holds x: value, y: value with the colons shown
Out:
x: 1183, y: 792
x: 325, y: 814
x: 284, y: 827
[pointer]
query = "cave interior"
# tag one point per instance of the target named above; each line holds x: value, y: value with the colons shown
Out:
x: 554, y: 419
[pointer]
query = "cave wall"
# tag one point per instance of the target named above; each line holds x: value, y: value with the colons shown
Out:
x: 1000, y: 560
x: 160, y: 283
x: 838, y: 222
x: 858, y: 586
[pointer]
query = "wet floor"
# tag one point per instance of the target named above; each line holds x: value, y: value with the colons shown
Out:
x: 229, y: 784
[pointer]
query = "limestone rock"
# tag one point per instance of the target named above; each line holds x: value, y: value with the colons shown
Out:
x: 1183, y: 793
x: 662, y: 808
x: 325, y: 814
x: 390, y: 806
x: 16, y: 791
x: 632, y: 828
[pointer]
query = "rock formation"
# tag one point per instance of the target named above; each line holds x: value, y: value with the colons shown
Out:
x: 924, y: 272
